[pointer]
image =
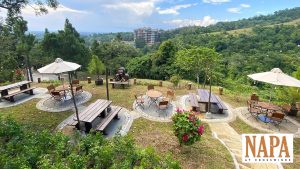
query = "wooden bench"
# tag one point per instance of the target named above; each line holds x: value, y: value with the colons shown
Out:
x: 194, y: 102
x: 10, y: 96
x: 221, y: 105
x: 113, y: 114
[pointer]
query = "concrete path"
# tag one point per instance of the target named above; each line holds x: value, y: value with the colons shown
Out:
x: 233, y: 142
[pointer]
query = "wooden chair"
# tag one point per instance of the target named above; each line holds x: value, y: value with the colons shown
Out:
x: 253, y: 110
x: 57, y: 96
x: 75, y: 82
x: 286, y: 108
x: 51, y: 88
x: 277, y: 117
x: 254, y: 97
x: 171, y: 94
x: 298, y: 106
x: 163, y: 105
x: 139, y: 101
x: 150, y: 87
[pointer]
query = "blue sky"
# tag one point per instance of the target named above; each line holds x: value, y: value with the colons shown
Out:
x: 126, y: 15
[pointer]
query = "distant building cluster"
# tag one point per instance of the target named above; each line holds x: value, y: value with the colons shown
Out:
x: 151, y: 36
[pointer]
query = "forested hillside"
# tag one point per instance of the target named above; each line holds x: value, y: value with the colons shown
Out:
x: 278, y: 17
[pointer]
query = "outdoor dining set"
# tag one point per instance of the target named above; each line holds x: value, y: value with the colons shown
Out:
x: 266, y: 112
x: 156, y: 98
x: 63, y: 92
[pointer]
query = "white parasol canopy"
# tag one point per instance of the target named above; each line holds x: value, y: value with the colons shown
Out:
x: 59, y: 66
x: 276, y: 77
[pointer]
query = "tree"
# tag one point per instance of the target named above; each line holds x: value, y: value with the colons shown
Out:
x: 15, y: 6
x: 163, y: 59
x: 96, y: 66
x: 66, y: 44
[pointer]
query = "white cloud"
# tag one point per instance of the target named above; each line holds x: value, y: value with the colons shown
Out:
x: 238, y: 9
x: 29, y: 9
x: 206, y: 21
x: 234, y: 10
x: 139, y: 8
x: 174, y: 10
x: 215, y: 1
x: 245, y: 5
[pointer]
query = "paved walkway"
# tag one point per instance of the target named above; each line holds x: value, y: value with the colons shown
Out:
x: 233, y: 142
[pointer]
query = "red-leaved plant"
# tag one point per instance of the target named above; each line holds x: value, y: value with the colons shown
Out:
x: 187, y: 127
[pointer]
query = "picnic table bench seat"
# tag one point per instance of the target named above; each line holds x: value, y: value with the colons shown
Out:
x: 204, y: 97
x: 122, y: 84
x: 221, y: 105
x: 194, y: 102
x: 113, y: 114
x: 10, y: 96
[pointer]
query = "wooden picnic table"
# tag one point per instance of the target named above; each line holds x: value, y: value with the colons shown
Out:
x: 100, y: 108
x: 204, y: 98
x: 24, y: 88
x: 114, y: 83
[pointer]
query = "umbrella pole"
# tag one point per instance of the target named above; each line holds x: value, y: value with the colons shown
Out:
x: 209, y: 97
x: 74, y: 101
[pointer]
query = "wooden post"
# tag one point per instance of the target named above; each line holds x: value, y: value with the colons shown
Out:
x: 160, y: 83
x: 74, y: 101
x: 89, y: 79
x: 106, y: 78
x: 134, y: 81
x: 209, y: 105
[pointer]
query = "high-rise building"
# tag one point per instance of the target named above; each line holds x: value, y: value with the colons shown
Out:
x: 150, y: 35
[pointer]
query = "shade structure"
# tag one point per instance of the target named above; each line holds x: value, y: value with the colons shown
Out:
x: 59, y: 66
x: 276, y: 77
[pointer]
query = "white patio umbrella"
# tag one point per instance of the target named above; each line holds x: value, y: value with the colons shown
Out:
x: 276, y: 77
x: 60, y: 66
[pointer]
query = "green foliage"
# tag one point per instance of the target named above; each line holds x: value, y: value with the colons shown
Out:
x: 175, y: 79
x: 65, y: 44
x: 140, y: 43
x: 14, y: 7
x: 96, y: 66
x: 140, y: 67
x: 187, y: 127
x: 163, y: 59
x: 23, y: 149
x: 114, y: 54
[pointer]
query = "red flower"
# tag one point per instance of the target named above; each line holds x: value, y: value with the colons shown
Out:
x: 178, y: 110
x: 200, y: 130
x: 185, y: 137
x: 18, y: 72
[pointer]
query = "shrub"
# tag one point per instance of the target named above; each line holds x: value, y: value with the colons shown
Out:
x: 23, y: 149
x: 187, y: 127
x: 175, y: 79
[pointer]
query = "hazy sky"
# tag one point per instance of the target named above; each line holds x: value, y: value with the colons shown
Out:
x: 126, y: 15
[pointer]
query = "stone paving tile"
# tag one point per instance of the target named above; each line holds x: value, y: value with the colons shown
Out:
x: 50, y: 105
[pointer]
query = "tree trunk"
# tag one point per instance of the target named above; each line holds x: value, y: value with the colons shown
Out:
x: 198, y: 81
x: 74, y: 101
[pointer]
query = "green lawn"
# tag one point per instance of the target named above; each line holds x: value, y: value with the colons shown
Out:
x: 33, y: 118
x: 208, y: 153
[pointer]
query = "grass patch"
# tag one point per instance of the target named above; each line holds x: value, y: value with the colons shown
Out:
x: 28, y: 115
x: 242, y: 128
x: 207, y: 153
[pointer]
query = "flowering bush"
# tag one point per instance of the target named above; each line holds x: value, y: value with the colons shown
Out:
x: 187, y: 127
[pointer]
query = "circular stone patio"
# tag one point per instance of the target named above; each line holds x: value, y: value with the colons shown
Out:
x: 151, y: 111
x: 50, y: 105
x: 120, y: 126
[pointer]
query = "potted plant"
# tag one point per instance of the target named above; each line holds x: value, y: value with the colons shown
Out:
x: 97, y: 67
